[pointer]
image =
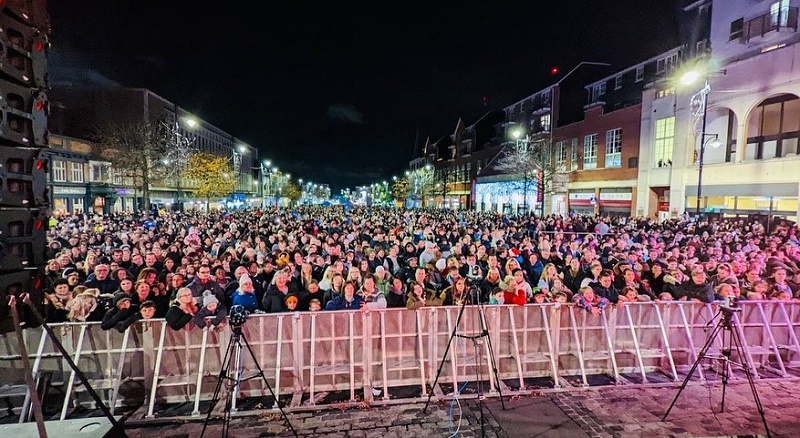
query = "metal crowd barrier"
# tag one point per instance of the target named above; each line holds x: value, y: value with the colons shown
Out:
x: 393, y: 355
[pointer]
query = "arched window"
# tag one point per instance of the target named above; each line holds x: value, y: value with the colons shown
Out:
x: 773, y: 129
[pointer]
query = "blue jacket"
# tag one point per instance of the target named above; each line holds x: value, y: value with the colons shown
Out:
x: 339, y: 303
x: 247, y: 300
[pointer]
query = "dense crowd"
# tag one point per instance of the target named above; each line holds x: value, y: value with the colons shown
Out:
x: 191, y: 267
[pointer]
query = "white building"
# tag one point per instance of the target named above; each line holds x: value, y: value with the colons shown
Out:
x: 752, y: 109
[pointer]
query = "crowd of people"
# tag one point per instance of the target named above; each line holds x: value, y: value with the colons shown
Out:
x: 192, y: 267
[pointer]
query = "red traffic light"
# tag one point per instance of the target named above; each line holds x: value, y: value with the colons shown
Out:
x: 554, y: 70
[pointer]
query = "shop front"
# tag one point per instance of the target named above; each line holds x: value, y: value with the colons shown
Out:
x: 616, y: 202
x: 582, y: 202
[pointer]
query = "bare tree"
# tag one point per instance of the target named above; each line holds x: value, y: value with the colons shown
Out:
x: 135, y: 150
x: 530, y: 162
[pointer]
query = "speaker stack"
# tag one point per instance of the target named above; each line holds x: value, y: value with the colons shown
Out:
x: 24, y: 196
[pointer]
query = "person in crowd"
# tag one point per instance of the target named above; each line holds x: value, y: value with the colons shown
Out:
x: 183, y: 309
x: 587, y: 299
x: 204, y: 282
x: 314, y: 305
x: 778, y: 283
x: 696, y: 288
x: 84, y: 308
x: 396, y: 295
x: 146, y: 310
x: 549, y: 273
x: 275, y: 296
x: 212, y: 312
x: 458, y: 292
x: 119, y: 313
x: 102, y: 280
x: 497, y: 296
x: 604, y: 288
x: 419, y: 296
x: 370, y: 295
x: 518, y: 291
x: 347, y: 300
x: 244, y: 295
x: 55, y: 302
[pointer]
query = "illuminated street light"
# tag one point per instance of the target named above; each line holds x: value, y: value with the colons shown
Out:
x: 699, y: 101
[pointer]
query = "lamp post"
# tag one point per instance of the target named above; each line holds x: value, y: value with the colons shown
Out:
x: 699, y: 103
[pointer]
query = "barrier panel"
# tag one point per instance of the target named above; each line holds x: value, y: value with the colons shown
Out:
x: 322, y: 358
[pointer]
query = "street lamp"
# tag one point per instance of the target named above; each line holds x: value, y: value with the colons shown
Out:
x: 699, y: 103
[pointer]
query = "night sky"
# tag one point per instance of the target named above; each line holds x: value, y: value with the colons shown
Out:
x: 339, y: 93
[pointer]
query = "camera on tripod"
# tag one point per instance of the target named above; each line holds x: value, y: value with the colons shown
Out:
x: 238, y: 316
x: 730, y: 305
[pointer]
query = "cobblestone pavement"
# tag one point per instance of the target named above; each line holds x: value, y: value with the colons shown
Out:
x: 627, y: 411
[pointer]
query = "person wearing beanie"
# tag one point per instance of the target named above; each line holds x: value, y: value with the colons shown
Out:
x: 245, y: 294
x: 291, y: 302
x: 120, y: 312
x: 212, y: 308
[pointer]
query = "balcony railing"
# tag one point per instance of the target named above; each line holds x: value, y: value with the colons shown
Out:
x: 785, y: 18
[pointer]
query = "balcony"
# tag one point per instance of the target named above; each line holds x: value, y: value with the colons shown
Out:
x: 783, y: 20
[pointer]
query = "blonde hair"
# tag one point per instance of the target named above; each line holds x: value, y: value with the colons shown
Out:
x: 81, y: 306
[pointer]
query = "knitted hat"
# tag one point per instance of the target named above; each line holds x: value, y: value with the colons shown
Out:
x: 291, y: 297
x: 209, y: 298
x: 245, y: 279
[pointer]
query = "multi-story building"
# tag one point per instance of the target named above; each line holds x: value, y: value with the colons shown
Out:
x: 732, y: 136
x: 79, y: 111
x: 601, y: 153
x: 80, y: 181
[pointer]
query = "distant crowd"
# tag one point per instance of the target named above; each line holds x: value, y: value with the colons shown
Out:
x: 191, y: 268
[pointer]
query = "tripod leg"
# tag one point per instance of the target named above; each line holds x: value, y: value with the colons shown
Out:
x: 726, y: 366
x: 264, y: 377
x: 492, y: 360
x: 700, y: 356
x: 444, y: 357
x: 223, y: 374
x: 737, y: 343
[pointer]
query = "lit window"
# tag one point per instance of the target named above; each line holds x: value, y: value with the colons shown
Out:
x: 59, y: 171
x: 590, y: 152
x: 573, y: 159
x: 614, y: 148
x: 664, y: 141
x: 77, y: 172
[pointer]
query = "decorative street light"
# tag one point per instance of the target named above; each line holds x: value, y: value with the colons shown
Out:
x: 699, y: 106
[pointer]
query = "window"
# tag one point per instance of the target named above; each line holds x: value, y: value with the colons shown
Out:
x: 100, y: 172
x: 774, y: 129
x: 77, y: 205
x: 614, y: 148
x: 618, y: 82
x: 596, y: 92
x: 77, y: 172
x: 779, y: 13
x: 664, y: 92
x: 561, y: 155
x: 664, y: 141
x: 667, y: 64
x: 701, y: 46
x: 544, y: 121
x: 59, y: 171
x: 640, y: 73
x: 573, y: 159
x: 737, y: 29
x: 590, y: 152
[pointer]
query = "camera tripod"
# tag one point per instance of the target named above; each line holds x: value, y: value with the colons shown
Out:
x: 235, y: 352
x: 728, y: 324
x: 474, y: 296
